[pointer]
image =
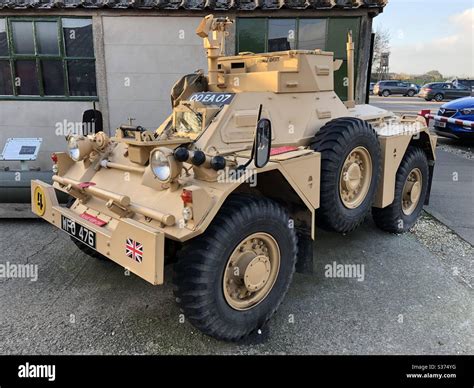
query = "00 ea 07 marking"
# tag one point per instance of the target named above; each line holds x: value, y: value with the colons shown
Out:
x: 78, y: 231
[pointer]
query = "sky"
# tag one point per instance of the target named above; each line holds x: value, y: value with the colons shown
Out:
x: 430, y: 35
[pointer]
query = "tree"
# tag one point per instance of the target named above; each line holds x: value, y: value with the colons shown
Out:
x: 433, y: 76
x: 381, y: 46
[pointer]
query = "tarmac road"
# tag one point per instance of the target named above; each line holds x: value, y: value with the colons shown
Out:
x: 400, y: 104
x: 409, y: 301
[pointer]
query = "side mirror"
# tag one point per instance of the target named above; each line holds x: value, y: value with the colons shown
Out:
x: 262, y: 143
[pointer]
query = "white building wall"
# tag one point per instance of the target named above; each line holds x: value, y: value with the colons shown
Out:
x: 144, y: 57
x: 38, y: 119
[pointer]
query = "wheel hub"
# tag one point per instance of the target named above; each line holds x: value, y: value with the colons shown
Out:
x: 412, y: 191
x: 251, y: 271
x: 355, y: 178
x: 354, y: 175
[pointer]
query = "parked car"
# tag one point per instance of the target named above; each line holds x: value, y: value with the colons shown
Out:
x: 371, y: 88
x: 468, y: 83
x: 461, y: 109
x: 387, y: 88
x: 440, y: 91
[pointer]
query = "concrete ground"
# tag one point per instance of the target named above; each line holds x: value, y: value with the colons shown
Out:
x: 409, y: 302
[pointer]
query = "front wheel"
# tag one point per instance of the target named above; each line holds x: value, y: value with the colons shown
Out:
x: 231, y: 280
x: 386, y: 93
x: 439, y: 97
x: 411, y: 93
x: 411, y: 188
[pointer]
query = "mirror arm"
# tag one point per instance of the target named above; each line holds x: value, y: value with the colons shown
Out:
x: 242, y: 167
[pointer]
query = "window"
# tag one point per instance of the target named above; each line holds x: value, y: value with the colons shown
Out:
x: 281, y: 34
x: 251, y: 35
x: 47, y: 58
x: 312, y: 34
x: 261, y: 35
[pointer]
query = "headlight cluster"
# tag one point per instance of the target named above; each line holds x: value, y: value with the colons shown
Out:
x: 79, y: 147
x: 164, y: 165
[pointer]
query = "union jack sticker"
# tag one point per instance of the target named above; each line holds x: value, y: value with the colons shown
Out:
x: 134, y: 250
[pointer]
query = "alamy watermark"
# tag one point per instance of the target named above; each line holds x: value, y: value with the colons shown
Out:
x: 70, y: 128
x: 345, y: 271
x: 19, y: 271
x: 237, y: 176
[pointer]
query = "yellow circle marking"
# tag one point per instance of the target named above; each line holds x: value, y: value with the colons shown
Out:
x: 39, y: 200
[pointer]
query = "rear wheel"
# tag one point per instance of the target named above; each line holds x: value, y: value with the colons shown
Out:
x: 439, y: 97
x: 231, y: 280
x: 411, y: 187
x: 350, y: 169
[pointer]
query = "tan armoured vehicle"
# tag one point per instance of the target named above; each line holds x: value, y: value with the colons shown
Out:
x: 254, y: 155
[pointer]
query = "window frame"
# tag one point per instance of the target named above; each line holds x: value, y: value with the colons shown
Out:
x: 267, y: 27
x: 12, y: 57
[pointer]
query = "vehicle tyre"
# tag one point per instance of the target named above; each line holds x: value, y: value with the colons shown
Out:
x: 439, y: 97
x: 386, y: 93
x: 83, y: 247
x: 428, y: 99
x: 350, y: 170
x: 231, y: 280
x: 411, y: 187
x: 411, y: 93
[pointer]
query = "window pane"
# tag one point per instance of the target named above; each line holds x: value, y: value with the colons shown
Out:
x: 251, y: 35
x: 23, y: 37
x: 336, y: 42
x: 78, y: 37
x: 5, y: 79
x: 3, y: 38
x: 312, y: 34
x: 26, y: 78
x: 281, y: 34
x: 47, y: 37
x: 81, y: 78
x: 53, y: 78
x: 337, y: 35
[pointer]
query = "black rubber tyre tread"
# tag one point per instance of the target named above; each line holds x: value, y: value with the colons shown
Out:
x: 391, y: 218
x: 334, y: 141
x: 198, y: 272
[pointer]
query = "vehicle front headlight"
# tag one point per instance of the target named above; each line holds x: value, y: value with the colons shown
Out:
x: 163, y: 164
x: 468, y: 111
x: 79, y: 147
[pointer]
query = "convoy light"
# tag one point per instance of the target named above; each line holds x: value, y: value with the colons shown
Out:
x: 79, y: 147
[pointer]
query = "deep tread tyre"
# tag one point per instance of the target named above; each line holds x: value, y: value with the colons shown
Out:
x: 335, y: 141
x: 83, y: 247
x: 392, y: 218
x: 200, y: 269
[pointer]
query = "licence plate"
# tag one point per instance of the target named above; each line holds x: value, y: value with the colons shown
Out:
x: 440, y: 124
x: 78, y: 231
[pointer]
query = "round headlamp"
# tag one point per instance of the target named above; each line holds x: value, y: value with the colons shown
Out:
x: 164, y: 165
x: 79, y: 148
